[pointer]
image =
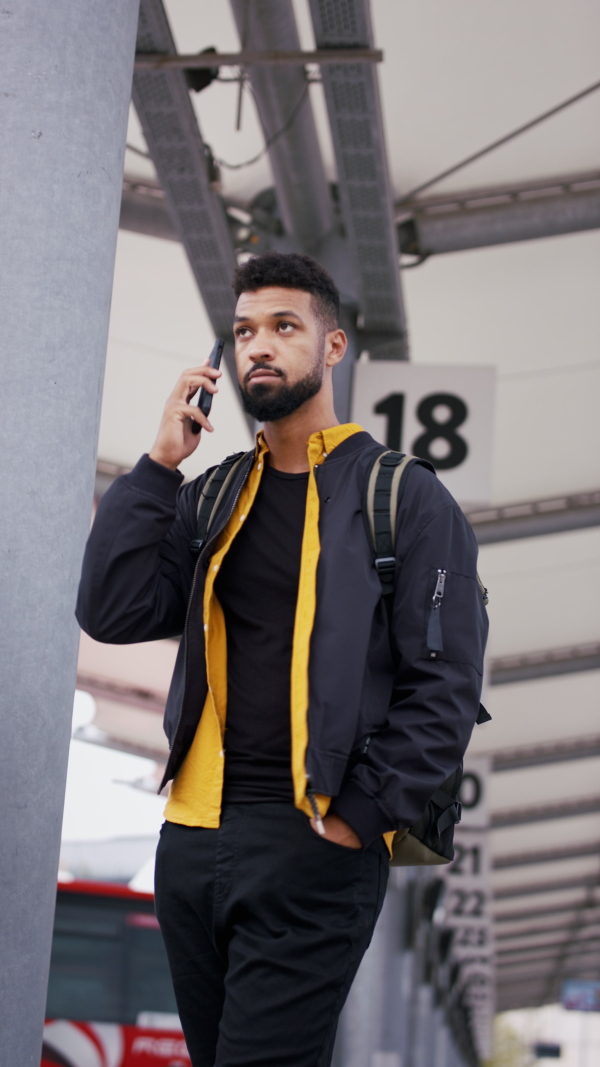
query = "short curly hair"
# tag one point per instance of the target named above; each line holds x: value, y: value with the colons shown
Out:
x: 291, y: 271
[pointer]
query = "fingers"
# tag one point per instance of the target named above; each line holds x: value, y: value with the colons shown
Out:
x: 194, y: 379
x: 209, y: 385
x: 192, y: 412
x: 176, y: 440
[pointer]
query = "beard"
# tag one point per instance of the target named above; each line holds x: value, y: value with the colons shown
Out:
x: 269, y: 403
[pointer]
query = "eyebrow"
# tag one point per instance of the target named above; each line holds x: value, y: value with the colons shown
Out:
x: 274, y: 315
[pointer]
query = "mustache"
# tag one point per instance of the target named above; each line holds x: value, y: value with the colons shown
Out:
x: 259, y: 367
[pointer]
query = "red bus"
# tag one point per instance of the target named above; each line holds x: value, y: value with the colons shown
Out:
x: 110, y: 998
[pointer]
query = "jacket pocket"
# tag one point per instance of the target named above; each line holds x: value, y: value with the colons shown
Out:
x: 434, y: 638
x: 454, y: 622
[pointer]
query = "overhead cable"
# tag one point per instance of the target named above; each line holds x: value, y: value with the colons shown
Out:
x: 270, y: 140
x: 138, y: 151
x: 497, y: 144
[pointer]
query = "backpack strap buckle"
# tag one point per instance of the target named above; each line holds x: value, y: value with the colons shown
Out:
x: 385, y: 567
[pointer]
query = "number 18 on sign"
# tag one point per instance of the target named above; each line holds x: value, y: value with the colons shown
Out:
x: 440, y: 413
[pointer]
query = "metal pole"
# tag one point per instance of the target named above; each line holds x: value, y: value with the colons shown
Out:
x: 67, y: 71
x: 283, y: 104
x: 267, y: 57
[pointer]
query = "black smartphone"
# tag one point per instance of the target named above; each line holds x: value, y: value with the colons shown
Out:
x: 205, y: 398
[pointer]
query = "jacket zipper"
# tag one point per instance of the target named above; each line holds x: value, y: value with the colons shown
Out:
x: 310, y: 793
x: 435, y: 642
x: 189, y: 607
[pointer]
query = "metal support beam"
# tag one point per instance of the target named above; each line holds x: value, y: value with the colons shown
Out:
x: 105, y: 476
x: 559, y: 886
x: 542, y: 931
x: 508, y: 980
x: 545, y: 981
x: 352, y: 98
x: 118, y: 744
x: 537, y: 913
x: 550, y: 855
x: 536, y: 518
x: 283, y: 103
x: 541, y: 755
x: 547, y: 963
x: 66, y: 80
x: 500, y: 216
x: 163, y: 105
x: 502, y: 954
x: 105, y: 689
x: 522, y: 993
x: 260, y: 57
x: 567, y: 809
x: 144, y: 209
x: 545, y: 664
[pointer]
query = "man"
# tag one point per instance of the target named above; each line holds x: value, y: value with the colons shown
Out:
x: 303, y: 732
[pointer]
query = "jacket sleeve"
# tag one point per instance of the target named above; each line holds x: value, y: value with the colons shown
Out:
x: 137, y: 567
x: 437, y: 685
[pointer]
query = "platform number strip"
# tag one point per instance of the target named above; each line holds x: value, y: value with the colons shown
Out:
x: 468, y: 906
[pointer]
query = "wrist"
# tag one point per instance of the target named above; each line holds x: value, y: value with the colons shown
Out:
x: 164, y: 461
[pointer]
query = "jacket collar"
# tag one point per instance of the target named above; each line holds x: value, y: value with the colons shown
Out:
x: 320, y: 444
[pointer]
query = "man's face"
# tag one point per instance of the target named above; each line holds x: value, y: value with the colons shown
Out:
x: 279, y: 351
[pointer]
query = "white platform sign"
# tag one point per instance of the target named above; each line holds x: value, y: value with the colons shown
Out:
x: 468, y: 901
x: 474, y: 791
x: 440, y: 413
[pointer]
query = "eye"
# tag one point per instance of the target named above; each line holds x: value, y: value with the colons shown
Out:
x: 242, y: 331
x: 286, y: 327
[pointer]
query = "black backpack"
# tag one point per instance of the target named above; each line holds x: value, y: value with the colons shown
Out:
x: 429, y: 841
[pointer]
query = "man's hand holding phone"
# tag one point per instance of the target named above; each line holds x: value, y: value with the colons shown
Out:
x: 176, y: 439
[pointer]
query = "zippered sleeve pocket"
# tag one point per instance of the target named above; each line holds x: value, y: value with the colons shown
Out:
x: 452, y: 602
x: 435, y: 641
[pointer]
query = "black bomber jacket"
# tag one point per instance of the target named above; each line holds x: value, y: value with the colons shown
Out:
x: 140, y: 582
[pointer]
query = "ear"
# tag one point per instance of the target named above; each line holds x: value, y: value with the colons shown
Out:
x: 336, y: 344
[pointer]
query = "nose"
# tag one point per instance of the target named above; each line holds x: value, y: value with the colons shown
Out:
x: 262, y: 349
x: 261, y: 353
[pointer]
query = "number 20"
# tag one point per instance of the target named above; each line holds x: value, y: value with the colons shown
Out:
x: 392, y: 407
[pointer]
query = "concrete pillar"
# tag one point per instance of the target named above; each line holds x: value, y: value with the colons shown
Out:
x: 66, y: 84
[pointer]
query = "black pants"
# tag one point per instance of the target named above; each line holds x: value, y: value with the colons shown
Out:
x: 265, y: 924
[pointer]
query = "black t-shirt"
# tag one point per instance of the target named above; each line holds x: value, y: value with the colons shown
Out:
x: 257, y: 588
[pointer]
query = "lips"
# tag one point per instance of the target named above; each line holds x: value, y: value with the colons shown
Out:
x: 262, y: 374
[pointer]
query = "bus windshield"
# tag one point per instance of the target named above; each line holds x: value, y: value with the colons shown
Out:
x: 108, y: 962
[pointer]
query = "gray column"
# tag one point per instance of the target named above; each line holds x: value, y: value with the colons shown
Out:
x: 66, y: 84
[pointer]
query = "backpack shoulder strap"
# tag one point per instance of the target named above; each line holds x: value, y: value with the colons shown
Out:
x: 384, y: 488
x: 214, y: 489
x: 383, y: 492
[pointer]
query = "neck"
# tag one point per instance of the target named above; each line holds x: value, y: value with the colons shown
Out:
x: 287, y: 438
